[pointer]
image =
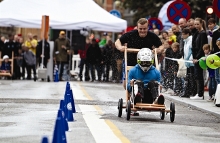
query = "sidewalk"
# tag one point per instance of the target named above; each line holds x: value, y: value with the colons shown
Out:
x: 202, y: 105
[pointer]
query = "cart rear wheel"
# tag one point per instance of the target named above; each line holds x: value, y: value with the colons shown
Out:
x: 120, y: 104
x: 128, y: 107
x: 162, y: 114
x: 172, y: 113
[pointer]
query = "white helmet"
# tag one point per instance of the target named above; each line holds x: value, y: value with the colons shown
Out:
x: 5, y: 57
x: 145, y: 59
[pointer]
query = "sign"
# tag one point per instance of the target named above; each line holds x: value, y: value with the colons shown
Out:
x: 216, y: 7
x: 163, y: 16
x: 178, y: 9
x: 155, y: 21
x: 44, y: 27
x: 116, y: 13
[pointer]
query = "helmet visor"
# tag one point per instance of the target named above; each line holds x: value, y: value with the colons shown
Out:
x: 145, y: 63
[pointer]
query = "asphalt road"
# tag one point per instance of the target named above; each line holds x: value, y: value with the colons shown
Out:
x: 28, y: 111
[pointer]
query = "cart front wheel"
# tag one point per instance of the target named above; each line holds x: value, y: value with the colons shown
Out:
x: 128, y: 107
x: 172, y: 113
x: 162, y: 114
x: 120, y: 104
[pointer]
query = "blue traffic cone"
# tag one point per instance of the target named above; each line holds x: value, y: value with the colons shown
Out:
x: 61, y: 104
x: 59, y: 135
x: 60, y: 114
x: 65, y: 103
x: 69, y: 108
x: 72, y: 101
x: 44, y: 140
x: 67, y: 87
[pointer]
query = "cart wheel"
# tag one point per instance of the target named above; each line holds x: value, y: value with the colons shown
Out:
x: 48, y: 79
x: 128, y: 107
x: 172, y: 113
x: 120, y: 104
x: 162, y: 114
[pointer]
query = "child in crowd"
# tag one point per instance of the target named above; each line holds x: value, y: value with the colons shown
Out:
x: 30, y: 60
x: 162, y: 67
x: 172, y: 37
x: 212, y: 82
x: 5, y: 66
x: 171, y: 68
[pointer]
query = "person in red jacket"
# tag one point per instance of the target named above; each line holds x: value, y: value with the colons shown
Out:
x: 83, y: 62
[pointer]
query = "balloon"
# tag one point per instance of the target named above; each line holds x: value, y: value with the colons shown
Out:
x: 202, y: 64
x: 210, y: 58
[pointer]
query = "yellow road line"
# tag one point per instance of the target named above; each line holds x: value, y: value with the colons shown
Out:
x: 85, y: 93
x: 111, y: 125
x: 117, y: 132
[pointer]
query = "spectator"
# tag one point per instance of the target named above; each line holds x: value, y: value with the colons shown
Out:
x: 5, y: 66
x: 30, y: 60
x: 94, y: 57
x: 107, y: 53
x: 1, y: 45
x: 60, y: 54
x: 172, y: 37
x: 84, y: 62
x: 40, y: 55
x: 212, y: 82
x: 157, y: 32
x: 197, y: 52
x: 31, y: 43
x: 172, y: 68
x: 3, y: 39
x: 9, y: 47
x: 164, y: 35
x: 189, y: 84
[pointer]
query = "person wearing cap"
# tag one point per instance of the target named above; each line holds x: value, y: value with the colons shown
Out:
x: 5, y: 66
x: 61, y: 50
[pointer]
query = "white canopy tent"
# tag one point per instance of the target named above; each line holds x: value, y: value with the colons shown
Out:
x: 63, y: 14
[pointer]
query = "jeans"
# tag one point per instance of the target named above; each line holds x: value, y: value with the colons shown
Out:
x: 212, y: 86
x: 217, y: 75
x: 200, y: 79
x: 86, y: 75
x: 92, y: 70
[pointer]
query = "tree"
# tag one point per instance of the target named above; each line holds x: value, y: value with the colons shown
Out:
x: 144, y: 8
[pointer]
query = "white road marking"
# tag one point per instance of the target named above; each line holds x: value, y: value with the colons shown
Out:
x: 98, y: 127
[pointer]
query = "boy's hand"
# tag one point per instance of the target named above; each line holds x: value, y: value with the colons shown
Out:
x: 132, y: 82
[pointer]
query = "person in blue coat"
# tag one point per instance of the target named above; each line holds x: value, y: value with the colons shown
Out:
x: 145, y: 79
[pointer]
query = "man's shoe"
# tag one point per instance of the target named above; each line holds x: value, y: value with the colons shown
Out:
x: 196, y: 97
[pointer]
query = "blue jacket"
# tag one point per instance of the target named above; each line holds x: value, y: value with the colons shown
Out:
x: 5, y: 66
x: 137, y: 73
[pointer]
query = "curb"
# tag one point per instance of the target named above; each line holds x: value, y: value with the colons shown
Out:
x: 192, y: 106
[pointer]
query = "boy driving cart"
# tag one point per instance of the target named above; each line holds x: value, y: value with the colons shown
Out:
x: 145, y: 79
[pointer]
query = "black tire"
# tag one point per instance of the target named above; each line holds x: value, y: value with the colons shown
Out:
x: 128, y: 107
x: 172, y: 113
x: 48, y: 79
x: 120, y: 105
x: 162, y: 114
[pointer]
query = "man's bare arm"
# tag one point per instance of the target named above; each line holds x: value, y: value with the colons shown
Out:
x: 119, y: 46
